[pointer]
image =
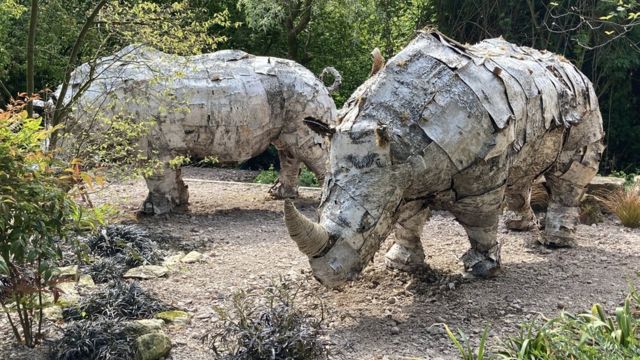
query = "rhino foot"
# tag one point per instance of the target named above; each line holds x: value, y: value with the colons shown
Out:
x: 405, y: 259
x: 557, y: 241
x: 280, y: 192
x: 522, y: 222
x: 480, y: 265
x: 157, y: 204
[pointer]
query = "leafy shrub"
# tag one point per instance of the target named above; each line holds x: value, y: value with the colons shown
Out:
x: 269, y: 176
x: 132, y: 242
x: 625, y: 204
x: 593, y: 335
x: 36, y: 215
x: 267, y: 327
x: 118, y: 300
x: 103, y: 339
x: 306, y: 178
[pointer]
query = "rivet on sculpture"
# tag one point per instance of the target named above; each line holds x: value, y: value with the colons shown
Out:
x: 227, y: 104
x: 462, y: 126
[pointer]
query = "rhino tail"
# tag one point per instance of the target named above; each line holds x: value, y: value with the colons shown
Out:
x: 337, y: 78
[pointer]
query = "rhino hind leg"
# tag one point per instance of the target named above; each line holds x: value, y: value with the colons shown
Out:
x: 407, y: 253
x: 287, y: 185
x: 522, y: 217
x: 567, y: 188
x: 479, y: 214
x: 167, y: 192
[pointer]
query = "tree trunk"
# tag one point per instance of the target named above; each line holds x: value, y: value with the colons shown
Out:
x: 30, y: 53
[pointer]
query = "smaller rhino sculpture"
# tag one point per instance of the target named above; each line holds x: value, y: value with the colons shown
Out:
x: 463, y: 126
x: 227, y: 104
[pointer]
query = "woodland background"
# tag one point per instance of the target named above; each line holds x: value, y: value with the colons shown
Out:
x: 599, y: 36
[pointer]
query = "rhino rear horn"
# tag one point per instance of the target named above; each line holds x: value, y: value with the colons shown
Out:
x: 378, y: 61
x: 311, y: 238
x: 319, y: 127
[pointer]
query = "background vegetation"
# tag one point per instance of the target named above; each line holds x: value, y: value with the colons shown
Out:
x: 599, y: 36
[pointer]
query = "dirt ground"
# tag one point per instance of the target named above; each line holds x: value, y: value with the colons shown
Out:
x: 384, y: 314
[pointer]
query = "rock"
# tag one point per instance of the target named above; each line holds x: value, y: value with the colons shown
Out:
x: 391, y: 300
x: 173, y: 260
x: 604, y: 184
x: 67, y: 271
x: 86, y: 282
x: 395, y: 330
x: 146, y: 326
x: 53, y: 313
x: 174, y: 316
x: 192, y: 257
x: 69, y: 295
x: 152, y: 346
x: 146, y: 272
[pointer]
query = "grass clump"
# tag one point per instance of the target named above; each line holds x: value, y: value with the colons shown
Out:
x: 268, y: 326
x: 104, y: 339
x: 625, y: 204
x: 121, y: 247
x: 588, y: 336
x: 117, y: 300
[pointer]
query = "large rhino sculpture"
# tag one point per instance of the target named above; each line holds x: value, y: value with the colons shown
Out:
x: 227, y: 104
x: 463, y: 125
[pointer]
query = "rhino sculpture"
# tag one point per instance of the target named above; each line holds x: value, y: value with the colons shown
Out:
x: 226, y: 104
x: 463, y: 126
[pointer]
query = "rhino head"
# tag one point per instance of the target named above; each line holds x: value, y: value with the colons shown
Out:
x: 365, y: 185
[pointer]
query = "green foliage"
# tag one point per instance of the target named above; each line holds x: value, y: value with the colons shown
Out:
x: 267, y: 326
x: 307, y: 178
x: 176, y: 27
x: 587, y: 336
x: 113, y: 144
x: 269, y: 176
x: 467, y: 352
x: 36, y: 214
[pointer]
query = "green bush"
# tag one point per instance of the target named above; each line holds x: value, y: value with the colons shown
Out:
x: 587, y: 336
x: 37, y: 214
x: 270, y: 176
x: 308, y: 178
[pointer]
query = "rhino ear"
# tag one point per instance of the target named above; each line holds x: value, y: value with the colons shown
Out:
x: 319, y: 127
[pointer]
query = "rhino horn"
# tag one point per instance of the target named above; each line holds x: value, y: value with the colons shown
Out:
x: 311, y: 238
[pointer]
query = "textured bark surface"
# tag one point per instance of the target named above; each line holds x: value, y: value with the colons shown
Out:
x: 228, y: 104
x: 466, y: 125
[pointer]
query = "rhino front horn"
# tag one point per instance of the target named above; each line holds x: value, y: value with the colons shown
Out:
x: 311, y: 238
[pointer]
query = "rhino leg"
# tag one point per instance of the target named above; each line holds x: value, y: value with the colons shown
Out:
x: 518, y: 197
x: 407, y: 254
x: 479, y: 214
x: 287, y: 185
x: 567, y: 181
x: 167, y: 192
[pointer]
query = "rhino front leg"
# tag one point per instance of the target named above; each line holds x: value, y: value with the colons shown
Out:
x: 407, y: 253
x: 518, y: 197
x: 479, y: 217
x: 287, y: 185
x: 167, y: 192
